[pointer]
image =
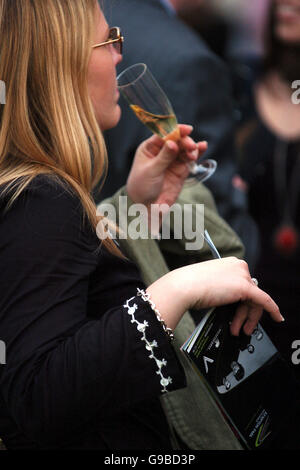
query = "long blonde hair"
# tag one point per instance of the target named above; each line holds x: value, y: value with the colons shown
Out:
x: 48, y: 125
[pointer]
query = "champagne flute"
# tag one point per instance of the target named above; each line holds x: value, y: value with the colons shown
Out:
x: 152, y: 107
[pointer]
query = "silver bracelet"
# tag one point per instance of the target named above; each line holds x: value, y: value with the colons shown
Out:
x: 146, y: 297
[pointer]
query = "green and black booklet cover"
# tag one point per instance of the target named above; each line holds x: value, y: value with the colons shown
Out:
x: 251, y: 383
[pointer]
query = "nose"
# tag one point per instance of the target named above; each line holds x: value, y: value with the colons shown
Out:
x: 117, y: 57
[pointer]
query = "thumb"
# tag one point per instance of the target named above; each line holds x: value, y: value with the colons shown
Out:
x: 167, y: 155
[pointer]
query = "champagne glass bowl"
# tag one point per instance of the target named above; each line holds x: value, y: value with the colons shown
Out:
x: 152, y: 107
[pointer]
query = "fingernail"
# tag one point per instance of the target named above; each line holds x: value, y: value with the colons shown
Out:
x: 195, y: 153
x: 281, y: 317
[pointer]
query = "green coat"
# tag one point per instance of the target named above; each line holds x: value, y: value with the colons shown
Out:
x: 191, y: 410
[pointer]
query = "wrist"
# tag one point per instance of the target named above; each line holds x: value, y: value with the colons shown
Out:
x: 169, y: 298
x: 147, y: 298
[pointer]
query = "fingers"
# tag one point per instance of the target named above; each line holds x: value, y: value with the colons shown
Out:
x: 249, y: 312
x: 239, y: 319
x: 188, y: 145
x: 153, y: 145
x: 185, y: 129
x: 202, y: 146
x: 247, y: 316
x: 156, y: 143
x: 188, y: 149
x: 254, y: 315
x: 260, y: 298
x: 164, y: 152
x: 166, y: 156
x: 185, y: 151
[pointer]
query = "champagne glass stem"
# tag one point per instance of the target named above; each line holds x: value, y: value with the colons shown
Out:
x: 211, y: 245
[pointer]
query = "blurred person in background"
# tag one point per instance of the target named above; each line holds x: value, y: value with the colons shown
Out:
x: 207, y: 18
x: 246, y: 23
x: 269, y: 144
x: 197, y: 84
x: 231, y: 28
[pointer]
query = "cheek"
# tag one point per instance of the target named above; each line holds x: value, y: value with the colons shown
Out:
x: 101, y: 79
x: 103, y: 93
x: 94, y: 77
x: 96, y: 87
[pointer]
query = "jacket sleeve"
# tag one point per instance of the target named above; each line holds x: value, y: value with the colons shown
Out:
x: 182, y: 241
x: 63, y: 368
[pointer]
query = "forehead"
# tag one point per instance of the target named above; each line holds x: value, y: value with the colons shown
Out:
x: 101, y: 26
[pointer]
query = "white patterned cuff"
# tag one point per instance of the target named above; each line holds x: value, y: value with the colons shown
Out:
x: 150, y: 345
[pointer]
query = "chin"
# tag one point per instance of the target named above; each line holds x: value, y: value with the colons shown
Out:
x: 289, y: 35
x: 111, y: 121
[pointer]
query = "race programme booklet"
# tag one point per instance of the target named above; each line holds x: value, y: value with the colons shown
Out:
x: 252, y: 384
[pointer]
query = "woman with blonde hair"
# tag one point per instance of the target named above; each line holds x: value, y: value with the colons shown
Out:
x: 88, y: 355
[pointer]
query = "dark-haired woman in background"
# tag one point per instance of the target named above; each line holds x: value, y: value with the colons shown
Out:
x: 269, y: 142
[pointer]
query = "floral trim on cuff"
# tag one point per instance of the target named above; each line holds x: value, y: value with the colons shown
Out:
x: 146, y: 298
x: 149, y: 345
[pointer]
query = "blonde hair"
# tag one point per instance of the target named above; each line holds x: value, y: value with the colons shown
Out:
x: 48, y: 125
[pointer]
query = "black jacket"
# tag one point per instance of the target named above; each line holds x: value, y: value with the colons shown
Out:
x: 78, y: 370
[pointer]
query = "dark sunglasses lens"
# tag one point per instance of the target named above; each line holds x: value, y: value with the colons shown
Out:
x: 118, y: 46
x: 115, y: 34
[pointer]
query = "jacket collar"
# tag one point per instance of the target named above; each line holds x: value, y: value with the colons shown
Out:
x: 168, y: 6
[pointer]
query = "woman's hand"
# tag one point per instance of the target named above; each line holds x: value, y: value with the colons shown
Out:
x: 160, y: 168
x: 211, y: 284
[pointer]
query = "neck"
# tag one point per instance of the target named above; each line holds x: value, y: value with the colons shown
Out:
x: 279, y: 87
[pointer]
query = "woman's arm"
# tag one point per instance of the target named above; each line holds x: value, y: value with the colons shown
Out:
x: 211, y: 284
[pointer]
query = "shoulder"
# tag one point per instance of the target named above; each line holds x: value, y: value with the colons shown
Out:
x: 47, y: 203
x: 44, y: 190
x: 51, y: 185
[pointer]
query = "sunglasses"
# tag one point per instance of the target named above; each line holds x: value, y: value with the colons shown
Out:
x: 115, y: 38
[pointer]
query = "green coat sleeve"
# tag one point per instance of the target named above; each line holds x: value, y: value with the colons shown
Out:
x: 191, y: 411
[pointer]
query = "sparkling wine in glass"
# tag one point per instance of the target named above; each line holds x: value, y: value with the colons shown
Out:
x: 152, y: 107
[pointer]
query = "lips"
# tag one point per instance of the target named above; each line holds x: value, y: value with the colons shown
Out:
x: 288, y: 12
